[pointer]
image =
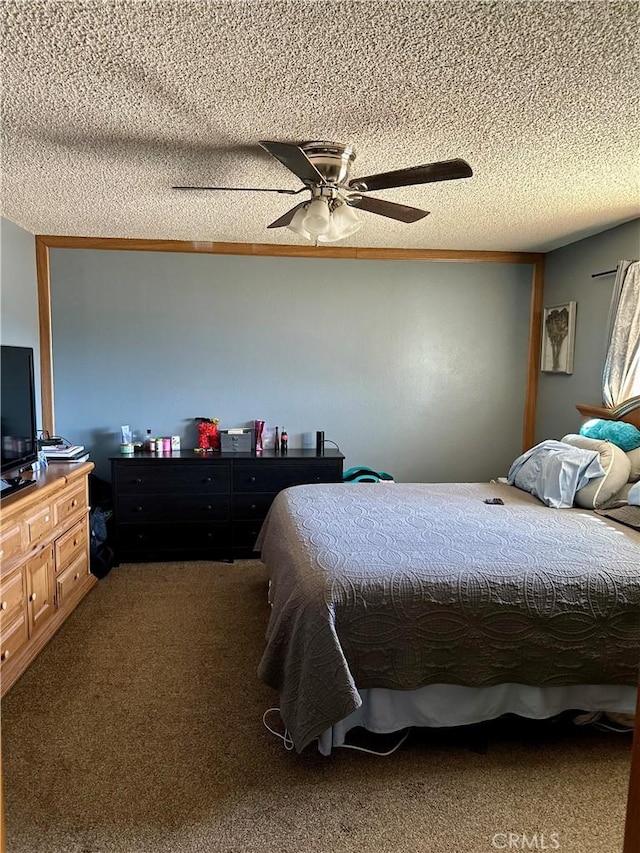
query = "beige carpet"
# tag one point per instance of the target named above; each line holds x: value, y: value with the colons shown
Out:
x: 139, y: 730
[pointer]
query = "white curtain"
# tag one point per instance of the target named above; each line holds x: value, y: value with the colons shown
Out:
x: 621, y: 376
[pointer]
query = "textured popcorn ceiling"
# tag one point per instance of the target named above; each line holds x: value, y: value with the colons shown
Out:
x: 107, y: 104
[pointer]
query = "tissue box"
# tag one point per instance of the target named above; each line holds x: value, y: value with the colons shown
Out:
x: 236, y: 441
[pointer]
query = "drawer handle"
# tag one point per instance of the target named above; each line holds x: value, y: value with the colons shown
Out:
x: 208, y: 479
x: 209, y: 507
x: 252, y: 479
x: 74, y: 503
x: 138, y: 509
x: 209, y: 535
x: 46, y: 518
x: 33, y: 596
x: 138, y: 480
x: 76, y: 576
x: 4, y: 605
x: 5, y: 655
x: 317, y: 479
x: 2, y: 553
x: 253, y: 506
x: 140, y: 535
x: 75, y: 542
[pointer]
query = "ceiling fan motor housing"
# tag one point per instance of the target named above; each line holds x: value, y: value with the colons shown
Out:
x: 332, y: 159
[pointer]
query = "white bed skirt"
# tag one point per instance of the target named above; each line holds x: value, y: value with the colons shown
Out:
x: 439, y: 705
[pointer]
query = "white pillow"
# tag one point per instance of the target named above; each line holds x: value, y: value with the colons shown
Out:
x: 617, y: 467
x: 634, y: 458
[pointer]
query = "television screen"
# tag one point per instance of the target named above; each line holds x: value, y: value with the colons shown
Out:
x: 17, y: 412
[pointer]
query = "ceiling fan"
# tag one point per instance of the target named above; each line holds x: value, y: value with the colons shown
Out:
x: 323, y: 168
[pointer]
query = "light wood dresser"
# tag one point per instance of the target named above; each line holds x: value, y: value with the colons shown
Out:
x: 44, y: 563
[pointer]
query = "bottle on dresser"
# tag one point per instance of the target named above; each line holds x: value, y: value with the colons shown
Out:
x: 276, y: 441
x: 284, y: 441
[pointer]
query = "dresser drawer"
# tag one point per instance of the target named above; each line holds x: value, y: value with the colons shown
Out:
x: 11, y: 543
x: 39, y: 570
x: 153, y: 508
x: 273, y: 477
x: 173, y: 478
x: 245, y: 533
x: 72, y: 543
x: 70, y: 504
x: 249, y: 505
x: 170, y: 537
x: 70, y: 581
x: 38, y: 524
x: 14, y: 636
x: 13, y: 596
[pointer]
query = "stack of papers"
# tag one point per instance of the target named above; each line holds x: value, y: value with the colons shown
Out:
x: 62, y: 449
x: 65, y: 453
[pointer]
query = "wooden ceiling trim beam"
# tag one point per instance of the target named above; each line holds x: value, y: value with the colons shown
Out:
x: 287, y: 250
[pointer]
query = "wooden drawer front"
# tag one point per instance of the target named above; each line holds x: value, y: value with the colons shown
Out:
x: 70, y: 581
x: 11, y: 543
x: 70, y: 504
x: 142, y: 508
x: 268, y: 477
x: 73, y: 542
x: 39, y: 588
x: 144, y: 537
x: 173, y: 478
x: 248, y: 505
x: 13, y: 595
x: 39, y: 524
x: 14, y: 636
x: 245, y: 533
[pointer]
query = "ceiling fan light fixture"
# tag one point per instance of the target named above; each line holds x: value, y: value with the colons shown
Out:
x: 318, y: 217
x: 346, y: 220
x: 344, y: 223
x: 297, y: 223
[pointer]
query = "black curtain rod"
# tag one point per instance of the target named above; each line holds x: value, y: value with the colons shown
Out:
x: 608, y: 272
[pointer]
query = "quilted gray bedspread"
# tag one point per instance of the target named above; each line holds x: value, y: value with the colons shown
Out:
x: 402, y: 585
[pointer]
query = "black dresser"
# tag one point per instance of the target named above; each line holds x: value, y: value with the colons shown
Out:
x: 191, y: 506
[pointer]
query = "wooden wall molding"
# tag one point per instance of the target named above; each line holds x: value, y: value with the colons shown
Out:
x: 287, y: 251
x: 46, y: 242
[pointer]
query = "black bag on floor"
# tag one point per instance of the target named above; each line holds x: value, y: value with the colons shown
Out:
x: 102, y: 555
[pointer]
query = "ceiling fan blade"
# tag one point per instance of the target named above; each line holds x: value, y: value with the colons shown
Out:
x: 243, y: 190
x: 295, y: 160
x: 447, y: 170
x: 286, y: 218
x: 401, y: 212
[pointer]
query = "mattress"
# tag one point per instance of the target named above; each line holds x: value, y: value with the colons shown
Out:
x: 399, y: 586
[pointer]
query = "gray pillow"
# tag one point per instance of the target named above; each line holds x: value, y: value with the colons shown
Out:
x: 617, y: 467
x: 634, y: 458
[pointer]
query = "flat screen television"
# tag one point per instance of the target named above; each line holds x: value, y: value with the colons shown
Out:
x: 18, y: 411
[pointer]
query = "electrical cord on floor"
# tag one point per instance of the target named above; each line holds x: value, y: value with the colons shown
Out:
x: 286, y: 737
x: 288, y: 740
x: 375, y: 752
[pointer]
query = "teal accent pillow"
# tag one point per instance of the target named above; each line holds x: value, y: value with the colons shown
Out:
x: 625, y: 436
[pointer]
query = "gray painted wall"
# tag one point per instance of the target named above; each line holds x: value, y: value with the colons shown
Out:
x: 414, y: 368
x: 19, y: 295
x: 568, y: 274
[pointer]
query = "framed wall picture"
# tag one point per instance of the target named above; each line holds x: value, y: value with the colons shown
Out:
x: 558, y: 338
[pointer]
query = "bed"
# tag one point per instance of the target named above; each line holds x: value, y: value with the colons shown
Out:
x: 396, y: 605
